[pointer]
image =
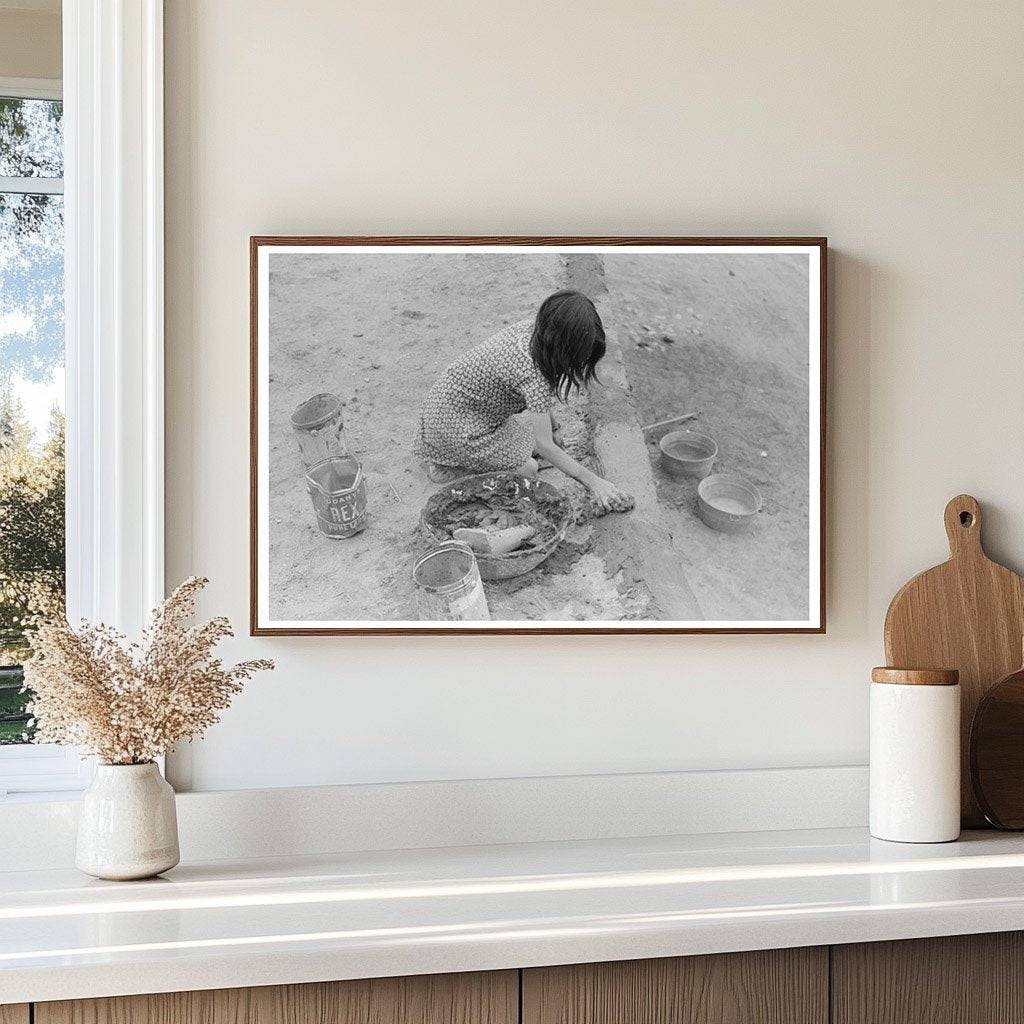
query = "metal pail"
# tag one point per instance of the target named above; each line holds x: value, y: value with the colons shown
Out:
x: 319, y: 429
x: 448, y: 585
x: 338, y: 492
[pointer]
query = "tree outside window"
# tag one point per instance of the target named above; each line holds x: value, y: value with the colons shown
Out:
x: 31, y: 387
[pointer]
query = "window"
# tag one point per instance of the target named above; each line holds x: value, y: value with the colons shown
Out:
x: 32, y: 549
x: 109, y: 208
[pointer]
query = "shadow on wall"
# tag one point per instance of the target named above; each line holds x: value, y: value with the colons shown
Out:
x: 854, y: 286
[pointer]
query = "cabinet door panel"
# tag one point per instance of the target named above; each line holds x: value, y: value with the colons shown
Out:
x: 960, y: 979
x: 778, y: 986
x: 14, y: 1013
x: 482, y: 998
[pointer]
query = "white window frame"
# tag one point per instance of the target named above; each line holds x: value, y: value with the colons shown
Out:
x: 114, y: 323
x: 32, y: 88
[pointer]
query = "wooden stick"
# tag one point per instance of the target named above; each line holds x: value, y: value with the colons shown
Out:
x: 675, y: 419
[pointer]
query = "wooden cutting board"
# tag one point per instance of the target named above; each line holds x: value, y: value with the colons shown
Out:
x: 967, y: 614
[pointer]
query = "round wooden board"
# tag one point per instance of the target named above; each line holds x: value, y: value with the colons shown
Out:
x: 997, y: 752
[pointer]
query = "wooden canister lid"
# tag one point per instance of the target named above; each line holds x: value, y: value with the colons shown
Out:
x: 916, y: 676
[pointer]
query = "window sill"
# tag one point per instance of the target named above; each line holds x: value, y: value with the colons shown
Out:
x: 32, y: 772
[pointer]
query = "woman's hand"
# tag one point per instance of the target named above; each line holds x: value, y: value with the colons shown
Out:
x: 606, y: 496
x: 610, y: 497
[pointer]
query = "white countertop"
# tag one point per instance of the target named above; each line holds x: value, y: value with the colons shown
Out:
x: 262, y: 922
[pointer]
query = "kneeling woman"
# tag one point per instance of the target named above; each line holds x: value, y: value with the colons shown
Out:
x: 470, y: 421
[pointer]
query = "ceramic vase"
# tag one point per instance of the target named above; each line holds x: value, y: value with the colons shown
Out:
x: 127, y: 825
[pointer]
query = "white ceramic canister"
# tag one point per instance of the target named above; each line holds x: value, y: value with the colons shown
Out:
x: 127, y: 825
x: 915, y: 755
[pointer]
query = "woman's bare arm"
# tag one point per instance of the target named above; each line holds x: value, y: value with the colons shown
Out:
x: 544, y: 446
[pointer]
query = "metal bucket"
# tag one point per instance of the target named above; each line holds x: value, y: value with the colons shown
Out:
x: 448, y: 585
x: 319, y: 429
x: 338, y: 491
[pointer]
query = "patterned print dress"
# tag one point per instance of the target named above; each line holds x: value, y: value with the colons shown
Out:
x: 466, y: 421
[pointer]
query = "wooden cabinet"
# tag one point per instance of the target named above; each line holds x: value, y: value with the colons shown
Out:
x: 777, y: 986
x: 970, y: 979
x: 962, y: 979
x: 491, y: 998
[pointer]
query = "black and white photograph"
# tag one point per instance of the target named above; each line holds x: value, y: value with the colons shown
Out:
x: 537, y: 435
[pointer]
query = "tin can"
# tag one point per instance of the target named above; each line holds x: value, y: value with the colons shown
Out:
x: 319, y: 428
x: 338, y: 492
x: 448, y: 585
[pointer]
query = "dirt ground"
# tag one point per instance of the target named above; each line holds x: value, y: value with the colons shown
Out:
x: 739, y: 355
x: 377, y: 329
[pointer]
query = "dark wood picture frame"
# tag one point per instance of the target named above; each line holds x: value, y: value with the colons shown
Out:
x: 256, y: 242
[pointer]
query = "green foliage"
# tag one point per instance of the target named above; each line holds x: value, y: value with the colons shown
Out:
x: 31, y: 347
x: 14, y: 722
x: 31, y: 545
x: 30, y: 138
x: 30, y: 147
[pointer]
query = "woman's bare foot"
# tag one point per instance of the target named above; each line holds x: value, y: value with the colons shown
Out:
x: 438, y: 474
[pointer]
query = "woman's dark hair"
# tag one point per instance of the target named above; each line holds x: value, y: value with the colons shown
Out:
x: 568, y: 341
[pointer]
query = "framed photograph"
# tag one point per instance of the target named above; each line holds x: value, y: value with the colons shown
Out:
x: 537, y: 435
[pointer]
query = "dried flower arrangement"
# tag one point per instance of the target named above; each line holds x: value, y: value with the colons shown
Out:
x: 129, y: 703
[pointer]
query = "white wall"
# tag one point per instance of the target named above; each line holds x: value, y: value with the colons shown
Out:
x: 895, y: 129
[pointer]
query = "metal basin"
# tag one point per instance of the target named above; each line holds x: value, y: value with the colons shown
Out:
x: 728, y: 502
x: 685, y: 453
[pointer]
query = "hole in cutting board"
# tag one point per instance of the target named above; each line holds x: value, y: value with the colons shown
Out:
x: 966, y: 519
